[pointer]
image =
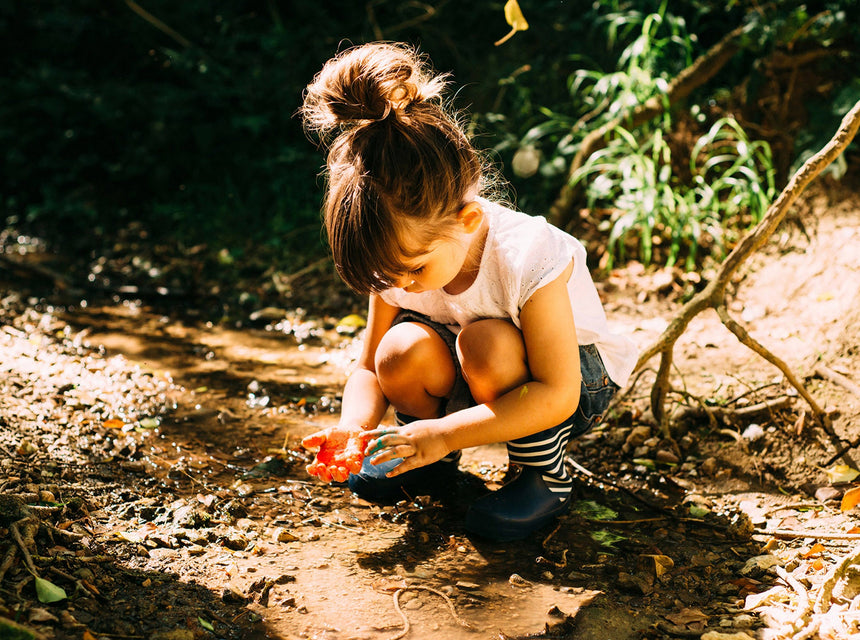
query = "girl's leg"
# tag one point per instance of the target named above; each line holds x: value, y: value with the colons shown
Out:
x: 418, y: 374
x: 542, y: 490
x: 415, y: 369
x: 493, y: 357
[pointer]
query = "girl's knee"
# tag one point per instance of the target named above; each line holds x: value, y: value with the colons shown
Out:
x: 493, y: 358
x: 413, y: 356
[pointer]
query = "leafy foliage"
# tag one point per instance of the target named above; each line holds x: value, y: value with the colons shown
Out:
x: 180, y: 117
x: 731, y: 187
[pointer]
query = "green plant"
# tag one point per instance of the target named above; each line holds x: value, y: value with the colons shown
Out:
x: 731, y: 187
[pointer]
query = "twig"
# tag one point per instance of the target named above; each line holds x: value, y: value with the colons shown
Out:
x: 406, y: 625
x: 590, y: 474
x: 158, y: 24
x: 8, y: 560
x: 796, y: 505
x: 794, y: 583
x: 791, y: 533
x: 837, y: 378
x: 24, y: 551
x: 854, y: 443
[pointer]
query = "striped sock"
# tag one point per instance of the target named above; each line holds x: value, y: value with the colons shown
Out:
x: 544, y: 451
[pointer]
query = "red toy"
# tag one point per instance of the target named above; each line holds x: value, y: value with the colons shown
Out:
x: 341, y: 452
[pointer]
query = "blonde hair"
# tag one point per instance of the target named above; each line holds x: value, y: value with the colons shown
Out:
x: 397, y: 160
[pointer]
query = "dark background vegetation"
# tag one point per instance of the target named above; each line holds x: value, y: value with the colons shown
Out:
x: 174, y: 123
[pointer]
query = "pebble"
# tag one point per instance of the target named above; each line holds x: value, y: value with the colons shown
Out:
x: 825, y: 494
x: 469, y: 586
x: 637, y: 437
x: 709, y: 466
x: 753, y: 432
x: 759, y: 564
x: 664, y: 455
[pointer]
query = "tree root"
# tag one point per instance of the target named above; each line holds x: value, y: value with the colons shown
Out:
x: 406, y: 625
x: 713, y: 295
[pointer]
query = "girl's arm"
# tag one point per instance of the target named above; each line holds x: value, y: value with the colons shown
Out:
x: 550, y: 397
x: 363, y: 405
x: 363, y: 401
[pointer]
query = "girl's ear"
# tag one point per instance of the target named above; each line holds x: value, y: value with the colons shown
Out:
x: 471, y: 217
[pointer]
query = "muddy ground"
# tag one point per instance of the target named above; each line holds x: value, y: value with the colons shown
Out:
x: 152, y: 484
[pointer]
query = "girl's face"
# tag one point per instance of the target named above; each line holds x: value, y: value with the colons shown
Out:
x: 450, y: 262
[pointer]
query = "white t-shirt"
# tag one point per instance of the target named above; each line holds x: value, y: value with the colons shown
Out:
x: 522, y: 253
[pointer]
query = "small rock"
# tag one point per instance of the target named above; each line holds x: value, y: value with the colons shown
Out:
x: 759, y: 564
x: 282, y: 535
x: 637, y: 437
x: 709, y: 466
x: 666, y: 456
x: 825, y: 494
x: 468, y: 586
x: 753, y: 432
x: 232, y: 596
x: 634, y: 583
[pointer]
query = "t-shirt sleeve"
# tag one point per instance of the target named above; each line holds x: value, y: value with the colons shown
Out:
x: 546, y: 256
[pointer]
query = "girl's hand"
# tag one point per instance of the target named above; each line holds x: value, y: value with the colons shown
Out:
x: 341, y: 452
x: 418, y: 443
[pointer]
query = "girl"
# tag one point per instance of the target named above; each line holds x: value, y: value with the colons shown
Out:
x: 484, y: 324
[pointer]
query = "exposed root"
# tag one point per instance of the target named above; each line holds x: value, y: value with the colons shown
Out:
x: 830, y: 613
x: 713, y: 295
x: 407, y: 626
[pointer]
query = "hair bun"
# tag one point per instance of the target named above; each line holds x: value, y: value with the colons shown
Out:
x: 368, y: 83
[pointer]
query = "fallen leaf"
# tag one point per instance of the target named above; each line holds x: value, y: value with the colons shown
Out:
x: 657, y: 563
x: 850, y: 499
x: 113, y: 423
x: 88, y: 636
x: 140, y: 535
x: 48, y: 591
x: 816, y: 549
x: 841, y: 473
x: 817, y: 564
x: 687, y: 616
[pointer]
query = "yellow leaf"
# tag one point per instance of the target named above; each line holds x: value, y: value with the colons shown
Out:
x: 352, y: 320
x: 88, y: 635
x: 514, y: 17
x: 850, y: 499
x: 113, y: 423
x: 841, y: 473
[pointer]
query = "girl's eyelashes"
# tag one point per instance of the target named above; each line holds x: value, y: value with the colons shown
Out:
x: 415, y: 272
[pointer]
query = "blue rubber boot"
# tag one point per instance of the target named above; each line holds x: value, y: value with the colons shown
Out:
x: 518, y: 509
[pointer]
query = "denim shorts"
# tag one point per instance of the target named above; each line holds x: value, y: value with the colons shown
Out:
x: 596, y: 390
